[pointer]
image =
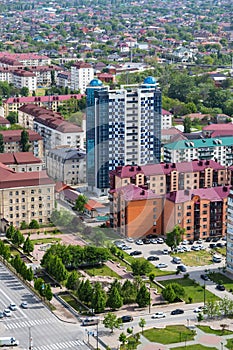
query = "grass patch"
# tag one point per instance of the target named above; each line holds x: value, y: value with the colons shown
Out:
x: 192, y: 258
x: 217, y: 276
x: 46, y: 240
x: 192, y: 290
x: 222, y: 251
x: 101, y: 271
x: 169, y: 334
x: 195, y: 347
x: 40, y: 92
x: 229, y: 344
x: 209, y: 330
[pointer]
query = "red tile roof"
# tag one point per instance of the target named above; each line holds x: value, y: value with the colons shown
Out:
x: 217, y: 127
x: 19, y: 158
x: 15, y: 135
x: 132, y: 193
x: 92, y: 205
x: 31, y: 99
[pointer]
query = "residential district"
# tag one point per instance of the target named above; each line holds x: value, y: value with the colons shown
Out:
x: 116, y: 174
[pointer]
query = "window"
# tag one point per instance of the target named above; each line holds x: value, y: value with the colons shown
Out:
x: 204, y: 219
x: 48, y: 198
x: 10, y: 193
x: 16, y: 193
x: 32, y: 199
x: 23, y: 192
x: 188, y: 207
x: 32, y: 191
x: 11, y: 208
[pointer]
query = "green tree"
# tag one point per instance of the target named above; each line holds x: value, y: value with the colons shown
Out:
x: 111, y: 321
x: 34, y: 224
x: 143, y: 296
x: 72, y: 280
x: 142, y: 323
x: 1, y: 144
x: 115, y: 300
x: 187, y: 124
x: 141, y: 267
x: 28, y: 246
x: 24, y: 91
x: 48, y: 292
x: 122, y: 338
x: 80, y: 203
x: 23, y: 225
x: 17, y: 238
x: 24, y: 141
x: 99, y: 298
x: 86, y: 291
x: 173, y: 292
x: 129, y: 292
x: 10, y: 232
x: 4, y: 250
x: 12, y: 117
x: 174, y: 237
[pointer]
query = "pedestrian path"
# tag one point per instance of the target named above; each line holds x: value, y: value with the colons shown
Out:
x: 30, y: 323
x: 60, y: 346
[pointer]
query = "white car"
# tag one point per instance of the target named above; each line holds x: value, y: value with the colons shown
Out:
x: 160, y: 240
x: 7, y: 312
x: 165, y: 251
x: 198, y: 309
x: 159, y: 315
x: 12, y: 307
x: 139, y: 242
x: 185, y: 241
x: 196, y: 248
x: 130, y: 240
x: 153, y: 240
x: 161, y: 266
x: 125, y: 247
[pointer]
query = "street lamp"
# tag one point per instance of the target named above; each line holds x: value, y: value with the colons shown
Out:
x: 97, y: 335
x: 30, y: 339
x: 204, y: 293
x: 148, y: 286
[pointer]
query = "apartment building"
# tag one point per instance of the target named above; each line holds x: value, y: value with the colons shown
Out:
x: 26, y: 59
x: 22, y: 78
x: 169, y: 177
x: 67, y: 165
x: 136, y: 212
x: 12, y: 144
x: 229, y: 257
x: 81, y: 75
x: 219, y: 149
x: 25, y: 196
x: 21, y: 161
x: 123, y: 127
x: 12, y: 104
x: 52, y: 127
x: 166, y: 119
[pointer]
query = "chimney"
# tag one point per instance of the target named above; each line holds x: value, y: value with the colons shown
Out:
x: 142, y: 193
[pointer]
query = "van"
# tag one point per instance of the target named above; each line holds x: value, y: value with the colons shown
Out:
x: 90, y: 321
x: 217, y: 258
x: 176, y: 260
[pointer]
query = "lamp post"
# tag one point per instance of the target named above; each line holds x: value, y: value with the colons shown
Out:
x: 148, y: 286
x: 204, y: 293
x: 30, y: 339
x: 97, y: 335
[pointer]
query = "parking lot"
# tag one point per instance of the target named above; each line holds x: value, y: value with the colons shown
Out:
x: 151, y: 248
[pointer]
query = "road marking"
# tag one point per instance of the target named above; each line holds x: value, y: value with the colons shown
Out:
x: 29, y: 323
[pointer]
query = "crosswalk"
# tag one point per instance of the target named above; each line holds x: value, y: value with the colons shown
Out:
x: 60, y: 346
x: 29, y: 323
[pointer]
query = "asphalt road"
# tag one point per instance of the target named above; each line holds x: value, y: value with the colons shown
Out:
x: 47, y: 332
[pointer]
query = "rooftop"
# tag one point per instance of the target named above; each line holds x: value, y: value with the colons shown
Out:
x: 200, y: 143
x: 212, y: 194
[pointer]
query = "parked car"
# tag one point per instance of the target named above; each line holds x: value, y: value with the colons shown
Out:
x: 212, y: 245
x: 24, y: 305
x: 195, y: 248
x: 177, y: 312
x: 159, y: 315
x: 220, y: 287
x: 165, y: 251
x: 135, y: 252
x: 185, y: 241
x: 150, y: 236
x: 160, y: 240
x: 7, y: 312
x: 199, y: 241
x: 220, y: 245
x: 152, y: 258
x: 130, y: 240
x: 216, y: 239
x: 205, y: 277
x: 153, y: 241
x: 126, y: 318
x: 190, y: 241
x: 12, y: 307
x: 125, y: 247
x: 182, y: 268
x: 161, y: 266
x: 198, y: 309
x: 208, y: 239
x: 1, y: 314
x: 146, y: 241
x: 139, y: 242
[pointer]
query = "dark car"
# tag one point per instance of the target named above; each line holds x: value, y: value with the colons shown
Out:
x: 126, y: 318
x: 136, y: 252
x: 152, y: 258
x: 191, y: 242
x: 208, y: 239
x: 220, y: 245
x: 146, y: 241
x: 205, y: 277
x: 182, y: 268
x: 151, y: 236
x: 177, y: 312
x: 213, y: 245
x: 216, y: 239
x: 220, y: 287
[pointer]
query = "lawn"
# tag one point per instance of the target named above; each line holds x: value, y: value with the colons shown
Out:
x: 192, y: 290
x: 169, y: 334
x: 46, y: 240
x: 192, y: 258
x: 209, y: 330
x: 217, y: 276
x: 229, y: 344
x: 195, y: 347
x: 222, y: 251
x: 101, y: 271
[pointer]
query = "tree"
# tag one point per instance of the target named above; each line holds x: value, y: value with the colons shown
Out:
x: 23, y: 225
x: 172, y: 292
x: 122, y: 338
x: 141, y: 267
x: 28, y: 246
x: 143, y: 297
x: 175, y: 237
x: 115, y: 300
x: 187, y: 124
x: 48, y: 292
x: 17, y: 238
x: 99, y: 298
x: 72, y: 280
x: 128, y: 292
x: 24, y: 141
x: 80, y: 203
x: 12, y: 117
x: 4, y: 250
x: 111, y: 321
x: 34, y: 224
x: 1, y: 144
x: 85, y: 292
x: 142, y: 323
x: 10, y: 232
x: 24, y: 91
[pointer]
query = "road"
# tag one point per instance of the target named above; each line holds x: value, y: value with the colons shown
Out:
x: 47, y: 332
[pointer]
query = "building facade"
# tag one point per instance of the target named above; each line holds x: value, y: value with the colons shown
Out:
x: 229, y: 257
x: 67, y: 165
x: 81, y: 75
x: 22, y: 78
x: 21, y: 161
x: 219, y: 149
x: 123, y: 127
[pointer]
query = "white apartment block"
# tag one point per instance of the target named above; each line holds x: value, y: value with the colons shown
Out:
x: 229, y: 257
x: 25, y: 59
x: 81, y: 75
x: 22, y: 78
x: 166, y: 122
x: 218, y: 149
